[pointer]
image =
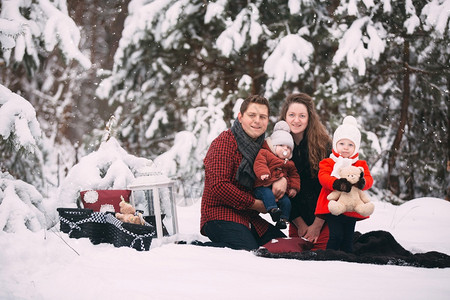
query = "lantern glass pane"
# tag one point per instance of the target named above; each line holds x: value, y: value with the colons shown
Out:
x: 166, y: 200
x: 143, y: 201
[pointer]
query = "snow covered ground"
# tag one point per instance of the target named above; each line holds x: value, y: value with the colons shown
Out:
x: 41, y: 266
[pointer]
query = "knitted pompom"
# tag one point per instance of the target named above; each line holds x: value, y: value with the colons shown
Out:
x: 281, y: 125
x: 350, y: 120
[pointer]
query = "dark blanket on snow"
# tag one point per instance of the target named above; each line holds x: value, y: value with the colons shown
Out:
x: 375, y: 247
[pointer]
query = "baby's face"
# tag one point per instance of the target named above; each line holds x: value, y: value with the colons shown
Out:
x: 283, y: 151
x: 345, y: 148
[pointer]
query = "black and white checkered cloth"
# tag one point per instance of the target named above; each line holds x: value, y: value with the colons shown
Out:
x: 98, y: 217
x: 74, y: 225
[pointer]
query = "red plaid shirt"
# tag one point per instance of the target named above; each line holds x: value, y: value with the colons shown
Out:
x: 223, y: 197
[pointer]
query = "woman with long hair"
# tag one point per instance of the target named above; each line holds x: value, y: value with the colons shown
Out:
x: 312, y: 143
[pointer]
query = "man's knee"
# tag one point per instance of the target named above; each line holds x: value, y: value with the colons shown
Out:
x: 230, y: 234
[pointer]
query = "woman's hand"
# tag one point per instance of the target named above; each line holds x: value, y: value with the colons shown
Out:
x: 313, y: 231
x: 301, y: 226
x: 312, y: 234
x: 279, y: 187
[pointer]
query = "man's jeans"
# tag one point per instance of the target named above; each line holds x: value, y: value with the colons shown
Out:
x: 237, y: 236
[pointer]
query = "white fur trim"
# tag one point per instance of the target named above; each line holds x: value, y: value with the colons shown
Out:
x: 340, y: 163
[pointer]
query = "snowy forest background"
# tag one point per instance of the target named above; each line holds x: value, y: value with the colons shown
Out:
x: 172, y: 71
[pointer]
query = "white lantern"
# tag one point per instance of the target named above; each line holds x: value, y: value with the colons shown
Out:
x: 153, y: 193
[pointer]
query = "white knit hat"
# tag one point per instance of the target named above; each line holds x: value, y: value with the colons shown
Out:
x: 348, y: 130
x: 281, y: 135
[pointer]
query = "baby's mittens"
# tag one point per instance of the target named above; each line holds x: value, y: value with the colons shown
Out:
x: 361, y: 182
x: 342, y: 185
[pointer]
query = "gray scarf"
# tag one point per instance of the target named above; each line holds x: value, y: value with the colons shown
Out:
x: 249, y: 148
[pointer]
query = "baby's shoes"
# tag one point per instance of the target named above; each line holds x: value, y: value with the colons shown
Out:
x: 281, y: 224
x: 275, y: 213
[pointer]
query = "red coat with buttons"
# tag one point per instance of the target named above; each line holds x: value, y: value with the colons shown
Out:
x: 326, y: 180
x: 267, y: 162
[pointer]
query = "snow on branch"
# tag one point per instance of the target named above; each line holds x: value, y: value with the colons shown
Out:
x: 350, y: 7
x: 159, y: 116
x: 21, y: 206
x: 214, y: 10
x: 9, y: 30
x: 61, y: 30
x: 16, y: 32
x: 142, y: 18
x: 110, y: 167
x: 245, y: 25
x: 289, y: 59
x: 361, y: 41
x: 18, y: 120
x: 413, y: 20
x: 184, y: 159
x: 437, y: 14
x: 46, y: 22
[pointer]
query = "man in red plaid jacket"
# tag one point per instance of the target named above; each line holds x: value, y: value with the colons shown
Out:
x: 229, y: 211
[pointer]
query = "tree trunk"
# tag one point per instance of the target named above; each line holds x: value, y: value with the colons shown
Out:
x: 393, y: 174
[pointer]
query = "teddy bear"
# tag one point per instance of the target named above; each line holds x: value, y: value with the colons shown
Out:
x: 355, y: 200
x: 128, y: 213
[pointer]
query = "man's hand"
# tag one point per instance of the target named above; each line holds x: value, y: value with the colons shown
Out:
x: 259, y: 206
x: 279, y: 187
x: 265, y: 176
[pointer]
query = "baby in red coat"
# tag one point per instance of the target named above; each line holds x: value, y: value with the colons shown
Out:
x: 272, y: 163
x: 346, y: 143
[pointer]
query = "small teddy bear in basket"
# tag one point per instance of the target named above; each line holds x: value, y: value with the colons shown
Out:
x: 128, y: 214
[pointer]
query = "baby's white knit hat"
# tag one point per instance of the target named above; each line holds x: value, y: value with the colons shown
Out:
x: 282, y: 135
x: 348, y: 130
